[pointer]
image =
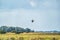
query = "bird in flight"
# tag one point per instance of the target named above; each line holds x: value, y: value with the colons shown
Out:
x: 32, y: 21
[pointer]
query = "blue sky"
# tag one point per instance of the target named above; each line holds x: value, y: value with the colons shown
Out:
x: 45, y: 13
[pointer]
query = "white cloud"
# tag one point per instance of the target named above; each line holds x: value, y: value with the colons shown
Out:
x: 43, y: 3
x: 33, y: 3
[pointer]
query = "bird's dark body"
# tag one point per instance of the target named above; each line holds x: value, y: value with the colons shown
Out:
x: 32, y: 21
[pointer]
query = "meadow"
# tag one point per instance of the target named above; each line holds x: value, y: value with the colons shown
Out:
x: 28, y: 36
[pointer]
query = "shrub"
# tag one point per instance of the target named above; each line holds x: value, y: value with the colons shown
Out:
x: 12, y: 38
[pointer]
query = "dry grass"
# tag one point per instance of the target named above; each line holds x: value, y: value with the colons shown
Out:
x: 28, y: 36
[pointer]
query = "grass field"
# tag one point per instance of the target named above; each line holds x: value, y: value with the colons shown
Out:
x: 28, y: 36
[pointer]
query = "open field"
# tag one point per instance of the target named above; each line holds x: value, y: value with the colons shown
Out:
x: 28, y: 36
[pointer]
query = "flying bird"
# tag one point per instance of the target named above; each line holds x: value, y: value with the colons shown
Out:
x: 32, y: 21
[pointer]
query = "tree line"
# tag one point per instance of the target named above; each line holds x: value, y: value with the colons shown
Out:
x: 17, y: 30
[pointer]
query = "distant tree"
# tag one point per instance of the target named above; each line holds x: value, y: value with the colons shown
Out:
x: 13, y: 31
x: 10, y: 29
x: 54, y: 31
x: 32, y: 30
x: 2, y: 32
x: 19, y: 30
x: 4, y: 28
x: 27, y: 30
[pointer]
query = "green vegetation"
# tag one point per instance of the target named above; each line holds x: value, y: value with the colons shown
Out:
x: 18, y: 33
x: 17, y: 30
